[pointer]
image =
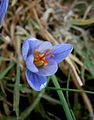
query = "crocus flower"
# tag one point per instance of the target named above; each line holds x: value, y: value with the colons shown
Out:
x: 42, y: 60
x: 3, y: 9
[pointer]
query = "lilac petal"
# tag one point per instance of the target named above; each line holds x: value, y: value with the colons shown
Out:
x: 25, y: 49
x: 34, y: 44
x: 35, y: 81
x: 48, y: 70
x: 30, y: 65
x: 29, y: 46
x: 61, y: 51
x: 44, y: 46
x: 3, y: 9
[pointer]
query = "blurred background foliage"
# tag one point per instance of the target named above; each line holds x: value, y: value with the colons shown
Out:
x: 58, y: 21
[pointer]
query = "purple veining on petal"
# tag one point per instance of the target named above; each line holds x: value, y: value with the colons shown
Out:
x: 25, y: 49
x: 35, y: 81
x: 61, y: 51
x: 34, y: 44
x: 29, y: 47
x: 44, y: 46
x: 48, y: 70
x: 30, y: 64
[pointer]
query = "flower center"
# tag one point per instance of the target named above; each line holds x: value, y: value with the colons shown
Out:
x: 40, y: 59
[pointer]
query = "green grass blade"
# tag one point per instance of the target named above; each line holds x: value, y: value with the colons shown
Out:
x: 50, y: 99
x: 67, y: 97
x: 16, y: 92
x: 71, y: 90
x: 62, y: 99
x: 82, y: 22
x: 2, y: 74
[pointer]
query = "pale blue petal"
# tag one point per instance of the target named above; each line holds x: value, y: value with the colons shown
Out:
x: 3, y: 9
x: 30, y: 65
x: 44, y: 46
x: 25, y: 49
x: 29, y: 47
x: 35, y: 81
x: 48, y: 70
x: 61, y: 51
x: 34, y: 44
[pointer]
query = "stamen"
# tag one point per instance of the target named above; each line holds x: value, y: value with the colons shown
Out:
x: 40, y: 58
x: 39, y: 63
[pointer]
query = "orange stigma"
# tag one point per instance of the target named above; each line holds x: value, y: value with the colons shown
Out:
x: 40, y: 58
